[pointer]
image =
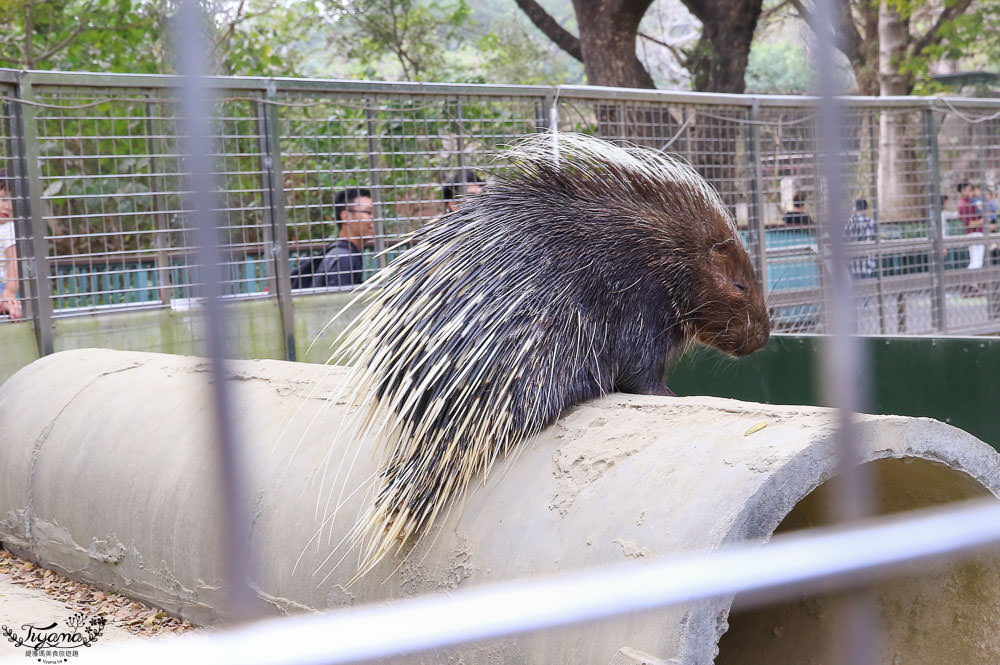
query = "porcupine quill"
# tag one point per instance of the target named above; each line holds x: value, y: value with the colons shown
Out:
x: 578, y: 275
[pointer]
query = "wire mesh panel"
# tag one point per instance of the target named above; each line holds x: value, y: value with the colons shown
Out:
x: 105, y: 176
x: 969, y: 147
x: 15, y: 230
x: 98, y: 194
x: 789, y: 207
x: 111, y: 189
x: 402, y: 151
x: 241, y: 180
x: 117, y: 232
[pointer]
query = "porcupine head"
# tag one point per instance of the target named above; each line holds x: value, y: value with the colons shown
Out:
x: 583, y: 271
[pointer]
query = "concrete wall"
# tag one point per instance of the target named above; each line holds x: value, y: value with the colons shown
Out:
x: 107, y: 474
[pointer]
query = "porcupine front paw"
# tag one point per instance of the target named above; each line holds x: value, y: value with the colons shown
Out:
x: 662, y: 389
x: 650, y: 387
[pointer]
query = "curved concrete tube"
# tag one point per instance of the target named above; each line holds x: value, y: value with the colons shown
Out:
x: 107, y: 473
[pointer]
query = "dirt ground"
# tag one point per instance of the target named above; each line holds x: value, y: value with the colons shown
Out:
x: 137, y: 618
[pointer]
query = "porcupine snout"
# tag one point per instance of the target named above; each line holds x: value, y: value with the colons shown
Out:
x: 733, y: 316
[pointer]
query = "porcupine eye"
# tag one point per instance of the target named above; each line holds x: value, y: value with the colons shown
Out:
x: 726, y: 262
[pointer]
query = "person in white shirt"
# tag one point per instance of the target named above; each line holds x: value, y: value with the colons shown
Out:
x: 9, y: 304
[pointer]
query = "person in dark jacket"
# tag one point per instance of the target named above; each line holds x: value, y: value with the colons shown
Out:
x: 341, y: 263
x: 463, y: 183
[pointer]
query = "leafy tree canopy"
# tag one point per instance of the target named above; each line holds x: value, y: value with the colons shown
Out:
x: 780, y: 67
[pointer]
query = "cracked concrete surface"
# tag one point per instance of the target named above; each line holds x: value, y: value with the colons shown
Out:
x: 108, y: 475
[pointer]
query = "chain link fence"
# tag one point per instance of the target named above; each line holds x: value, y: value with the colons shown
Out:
x: 95, y: 175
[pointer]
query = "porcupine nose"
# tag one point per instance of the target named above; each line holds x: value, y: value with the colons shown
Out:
x: 763, y: 335
x: 757, y: 336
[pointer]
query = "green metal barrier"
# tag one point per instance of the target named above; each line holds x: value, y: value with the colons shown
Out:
x: 953, y: 379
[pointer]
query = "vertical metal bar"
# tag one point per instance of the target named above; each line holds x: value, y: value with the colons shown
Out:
x: 541, y: 113
x: 274, y: 204
x: 821, y: 226
x: 377, y: 208
x: 266, y: 197
x: 460, y: 144
x: 880, y: 283
x: 38, y: 266
x: 196, y: 130
x: 938, y: 300
x: 688, y: 133
x: 987, y: 272
x: 22, y: 212
x: 852, y: 493
x: 161, y: 236
x: 757, y: 194
x: 843, y: 357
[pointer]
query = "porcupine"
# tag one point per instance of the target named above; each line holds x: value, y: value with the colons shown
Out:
x: 585, y: 272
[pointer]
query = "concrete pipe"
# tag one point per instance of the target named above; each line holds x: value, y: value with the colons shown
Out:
x: 107, y: 474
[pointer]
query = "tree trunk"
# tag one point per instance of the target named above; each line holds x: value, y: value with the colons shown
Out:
x: 899, y: 192
x: 719, y: 61
x: 718, y: 64
x: 607, y: 41
x: 865, y: 61
x: 893, y: 36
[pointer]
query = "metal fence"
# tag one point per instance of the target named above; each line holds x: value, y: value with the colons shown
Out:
x: 95, y: 172
x: 97, y: 182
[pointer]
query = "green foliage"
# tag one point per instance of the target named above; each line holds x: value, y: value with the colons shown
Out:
x: 250, y: 38
x: 972, y: 38
x: 778, y: 68
x: 101, y: 35
x: 510, y: 55
x: 415, y: 36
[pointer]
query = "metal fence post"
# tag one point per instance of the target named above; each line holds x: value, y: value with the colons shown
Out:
x: 38, y: 263
x: 22, y: 222
x: 274, y: 205
x: 161, y: 239
x: 542, y: 112
x: 267, y: 195
x: 758, y: 234
x: 460, y: 141
x: 939, y: 319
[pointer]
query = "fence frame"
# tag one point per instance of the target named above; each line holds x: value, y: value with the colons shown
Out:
x: 263, y: 95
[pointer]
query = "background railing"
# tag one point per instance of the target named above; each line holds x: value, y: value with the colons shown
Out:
x: 96, y: 173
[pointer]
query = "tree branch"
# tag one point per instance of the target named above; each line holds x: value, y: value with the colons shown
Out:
x: 949, y: 13
x: 230, y: 30
x: 676, y: 52
x: 803, y: 13
x: 63, y: 43
x: 558, y: 34
x: 846, y: 36
x: 767, y: 14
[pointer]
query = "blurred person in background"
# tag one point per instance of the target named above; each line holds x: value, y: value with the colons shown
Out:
x: 463, y: 183
x: 9, y: 304
x: 973, y: 223
x: 797, y: 216
x: 861, y: 228
x: 977, y: 199
x: 990, y: 208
